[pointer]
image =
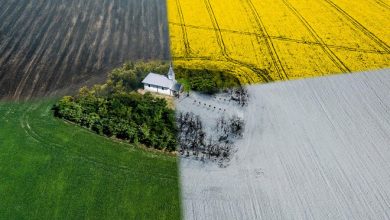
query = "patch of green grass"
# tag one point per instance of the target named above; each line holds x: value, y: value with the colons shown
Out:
x: 185, y: 83
x: 50, y: 169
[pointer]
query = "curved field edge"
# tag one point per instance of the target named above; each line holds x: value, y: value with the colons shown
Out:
x: 51, y: 169
x: 265, y: 41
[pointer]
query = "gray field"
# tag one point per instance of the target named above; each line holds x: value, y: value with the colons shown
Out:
x: 312, y: 149
x: 49, y: 45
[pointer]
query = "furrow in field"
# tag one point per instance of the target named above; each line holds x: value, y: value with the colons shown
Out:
x: 13, y: 10
x: 16, y: 36
x: 62, y: 46
x: 47, y: 45
x: 27, y: 56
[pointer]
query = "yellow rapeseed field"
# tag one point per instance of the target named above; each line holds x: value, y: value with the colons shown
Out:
x: 269, y: 40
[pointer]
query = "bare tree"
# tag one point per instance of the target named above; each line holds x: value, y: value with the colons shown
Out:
x: 236, y: 126
x: 195, y: 143
x: 240, y: 95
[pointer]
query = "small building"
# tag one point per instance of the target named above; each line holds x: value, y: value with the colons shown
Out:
x: 162, y: 84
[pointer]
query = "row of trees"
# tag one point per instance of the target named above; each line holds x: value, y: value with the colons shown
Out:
x: 115, y: 110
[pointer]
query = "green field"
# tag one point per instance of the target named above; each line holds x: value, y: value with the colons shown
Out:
x: 50, y: 169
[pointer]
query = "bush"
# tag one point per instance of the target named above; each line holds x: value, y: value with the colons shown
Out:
x: 206, y: 81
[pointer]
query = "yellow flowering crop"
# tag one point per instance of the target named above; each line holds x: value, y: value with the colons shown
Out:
x: 269, y: 40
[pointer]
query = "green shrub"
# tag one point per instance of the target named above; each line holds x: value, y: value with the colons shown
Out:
x: 206, y: 81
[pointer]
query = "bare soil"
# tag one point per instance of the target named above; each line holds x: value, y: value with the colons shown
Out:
x: 53, y: 47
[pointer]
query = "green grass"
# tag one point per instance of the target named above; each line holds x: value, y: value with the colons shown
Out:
x: 50, y: 169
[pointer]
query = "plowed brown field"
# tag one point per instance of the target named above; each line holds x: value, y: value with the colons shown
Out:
x: 47, y: 45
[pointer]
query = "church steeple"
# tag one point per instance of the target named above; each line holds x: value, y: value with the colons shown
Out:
x: 171, y: 73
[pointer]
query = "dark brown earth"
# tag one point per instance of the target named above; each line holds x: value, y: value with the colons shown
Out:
x: 51, y: 47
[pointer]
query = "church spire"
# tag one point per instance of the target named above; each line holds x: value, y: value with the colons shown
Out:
x: 171, y: 73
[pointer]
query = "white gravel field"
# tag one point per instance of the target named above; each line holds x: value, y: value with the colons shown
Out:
x: 312, y: 149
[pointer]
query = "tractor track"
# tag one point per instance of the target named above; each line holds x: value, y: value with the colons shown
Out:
x: 383, y: 4
x: 280, y: 38
x: 260, y: 73
x: 217, y: 30
x: 183, y: 28
x: 270, y: 46
x: 263, y: 74
x: 359, y: 26
x: 335, y: 59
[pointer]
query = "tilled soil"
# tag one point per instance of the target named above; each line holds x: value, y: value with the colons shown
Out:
x: 48, y: 46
